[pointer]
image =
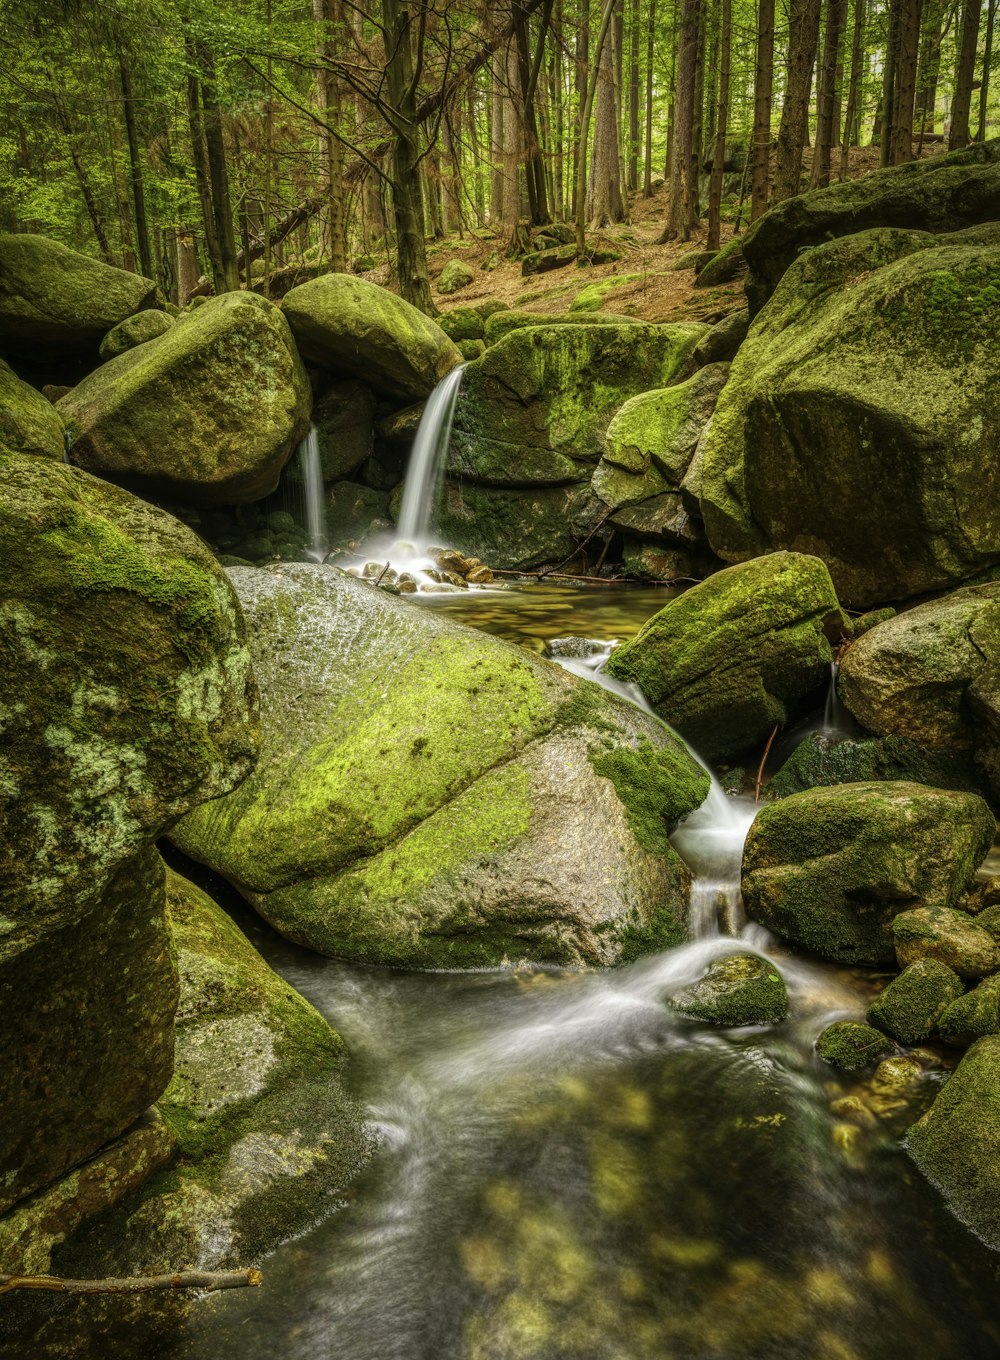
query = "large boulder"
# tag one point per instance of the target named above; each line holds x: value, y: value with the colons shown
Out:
x: 951, y: 937
x: 358, y: 330
x: 434, y: 797
x: 535, y: 408
x: 823, y: 443
x: 730, y: 659
x: 830, y: 868
x: 129, y: 699
x: 56, y: 303
x: 957, y: 1142
x: 931, y: 676
x: 29, y: 423
x: 737, y: 989
x: 135, y: 330
x: 344, y: 417
x: 913, y: 1003
x: 208, y: 413
x: 937, y: 194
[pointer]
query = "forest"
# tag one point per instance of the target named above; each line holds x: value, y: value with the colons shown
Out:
x: 212, y: 146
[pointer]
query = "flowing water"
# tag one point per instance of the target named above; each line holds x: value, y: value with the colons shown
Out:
x: 570, y: 1170
x: 313, y: 492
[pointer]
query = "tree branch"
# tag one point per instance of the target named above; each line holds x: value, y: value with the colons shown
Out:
x: 205, y: 1281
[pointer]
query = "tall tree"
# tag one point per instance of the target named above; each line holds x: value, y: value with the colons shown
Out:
x: 682, y: 149
x: 763, y: 90
x: 721, y: 128
x: 836, y: 19
x: 605, y: 203
x: 404, y: 55
x: 803, y: 41
x: 961, y: 105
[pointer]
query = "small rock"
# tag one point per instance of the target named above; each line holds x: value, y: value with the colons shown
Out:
x: 455, y: 275
x: 949, y: 936
x: 972, y: 1015
x: 850, y: 1045
x: 911, y: 1005
x: 739, y: 989
x: 480, y: 576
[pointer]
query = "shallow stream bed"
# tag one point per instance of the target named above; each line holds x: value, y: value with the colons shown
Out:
x: 571, y: 1171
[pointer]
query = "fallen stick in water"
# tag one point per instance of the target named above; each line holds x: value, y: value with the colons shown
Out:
x: 206, y: 1281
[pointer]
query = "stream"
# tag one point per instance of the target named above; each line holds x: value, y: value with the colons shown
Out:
x: 569, y: 1170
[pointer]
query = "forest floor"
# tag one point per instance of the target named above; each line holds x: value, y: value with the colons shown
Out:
x: 655, y: 290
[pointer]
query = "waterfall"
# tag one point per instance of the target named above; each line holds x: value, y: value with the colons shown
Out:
x: 430, y: 449
x: 312, y: 483
x: 837, y: 722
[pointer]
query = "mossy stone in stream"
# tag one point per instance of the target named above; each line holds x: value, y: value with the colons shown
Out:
x: 29, y: 423
x: 434, y: 797
x: 973, y: 1015
x: 355, y: 329
x: 821, y: 443
x: 738, y: 989
x: 851, y: 1046
x: 730, y: 659
x: 952, y: 937
x: 823, y: 760
x: 663, y: 426
x: 910, y: 1006
x: 135, y: 330
x: 830, y: 868
x: 957, y: 1143
x: 56, y: 303
x: 208, y: 413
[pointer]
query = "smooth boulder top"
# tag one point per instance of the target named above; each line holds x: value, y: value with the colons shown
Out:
x: 728, y: 660
x: 936, y: 194
x: 832, y: 867
x: 29, y: 423
x: 135, y: 330
x: 431, y: 796
x: 207, y: 413
x: 56, y: 303
x: 820, y: 441
x: 357, y: 329
x: 128, y: 687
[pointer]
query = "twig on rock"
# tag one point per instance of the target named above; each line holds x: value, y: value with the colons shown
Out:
x: 763, y: 762
x: 205, y: 1280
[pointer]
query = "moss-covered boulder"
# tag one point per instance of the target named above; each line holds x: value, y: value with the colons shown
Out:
x: 822, y: 442
x: 719, y: 346
x: 936, y: 194
x: 463, y: 323
x: 455, y: 275
x: 87, y: 998
x: 973, y: 1015
x: 434, y: 797
x: 134, y: 330
x: 952, y: 937
x: 731, y: 658
x: 356, y: 329
x: 511, y: 529
x: 851, y: 1046
x: 821, y: 759
x: 354, y: 513
x: 910, y: 1007
x: 499, y: 324
x: 208, y: 413
x: 725, y: 266
x: 56, y: 303
x: 738, y: 989
x: 29, y: 423
x: 957, y: 1143
x: 831, y: 868
x: 931, y: 676
x: 128, y: 699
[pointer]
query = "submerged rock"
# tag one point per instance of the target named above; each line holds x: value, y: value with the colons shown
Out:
x: 822, y: 442
x: 730, y: 659
x: 29, y: 423
x: 957, y: 1143
x: 56, y: 303
x: 358, y: 330
x: 738, y: 989
x: 952, y: 937
x: 929, y: 676
x: 208, y: 413
x: 434, y: 797
x: 851, y: 1046
x: 831, y: 868
x: 911, y: 1005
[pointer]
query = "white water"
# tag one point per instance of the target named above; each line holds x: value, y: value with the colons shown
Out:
x: 836, y: 721
x: 430, y: 449
x: 312, y: 485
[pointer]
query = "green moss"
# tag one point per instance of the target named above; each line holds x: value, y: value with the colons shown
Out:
x: 28, y: 422
x: 911, y: 1005
x: 657, y: 788
x: 973, y: 1015
x: 850, y: 1046
x: 740, y: 989
x: 818, y: 760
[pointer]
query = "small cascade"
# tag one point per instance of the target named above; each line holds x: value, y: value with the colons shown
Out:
x: 430, y: 449
x: 710, y: 839
x: 836, y: 722
x: 315, y: 503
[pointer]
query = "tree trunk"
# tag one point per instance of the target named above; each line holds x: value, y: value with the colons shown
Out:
x: 328, y: 21
x: 763, y: 88
x: 852, y: 112
x: 200, y: 160
x: 901, y: 147
x: 407, y: 199
x: 693, y: 173
x: 604, y: 198
x: 803, y: 42
x: 964, y: 75
x: 218, y: 174
x: 836, y: 18
x: 187, y: 265
x: 633, y: 96
x: 984, y: 89
x: 889, y: 83
x: 135, y: 168
x: 582, y: 82
x: 647, y: 184
x: 580, y: 195
x: 721, y: 128
x: 929, y: 64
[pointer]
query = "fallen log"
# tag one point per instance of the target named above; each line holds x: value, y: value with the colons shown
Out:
x: 204, y: 1280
